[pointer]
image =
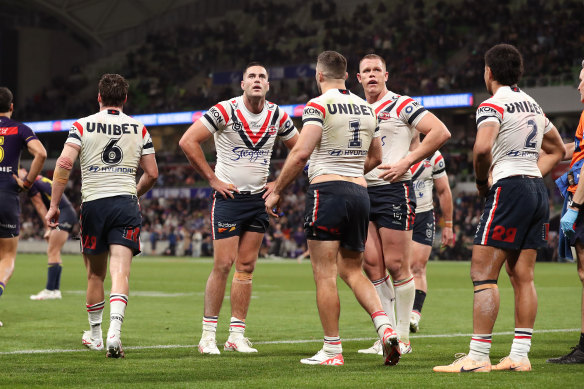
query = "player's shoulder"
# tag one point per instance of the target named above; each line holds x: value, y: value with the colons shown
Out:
x: 492, y: 105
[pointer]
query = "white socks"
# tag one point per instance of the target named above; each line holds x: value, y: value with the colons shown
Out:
x: 384, y: 289
x: 95, y: 314
x: 521, y: 343
x: 118, y: 303
x: 480, y: 346
x: 405, y: 293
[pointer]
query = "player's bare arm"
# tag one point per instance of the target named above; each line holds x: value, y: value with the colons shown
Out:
x: 290, y: 143
x: 554, y: 151
x: 374, y: 155
x: 307, y: 141
x: 482, y: 154
x: 436, y: 135
x: 190, y: 143
x: 36, y: 148
x: 148, y: 179
x: 445, y: 199
x: 60, y: 178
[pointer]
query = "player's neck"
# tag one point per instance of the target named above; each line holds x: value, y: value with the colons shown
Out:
x: 325, y: 86
x: 104, y: 107
x: 6, y: 114
x: 254, y: 104
x: 495, y: 86
x: 372, y: 98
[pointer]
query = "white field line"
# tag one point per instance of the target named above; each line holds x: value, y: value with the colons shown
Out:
x: 174, y: 346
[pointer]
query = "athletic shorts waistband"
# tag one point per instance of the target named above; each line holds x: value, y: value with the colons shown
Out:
x: 338, y: 184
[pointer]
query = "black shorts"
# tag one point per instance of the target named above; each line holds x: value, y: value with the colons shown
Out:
x: 578, y: 228
x: 233, y: 216
x: 393, y: 205
x: 516, y: 215
x: 110, y: 220
x: 337, y: 210
x: 9, y: 214
x: 424, y: 228
x: 67, y: 219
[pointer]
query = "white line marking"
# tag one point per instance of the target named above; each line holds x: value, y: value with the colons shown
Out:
x: 173, y: 346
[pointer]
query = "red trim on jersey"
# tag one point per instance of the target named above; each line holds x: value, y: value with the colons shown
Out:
x: 79, y: 127
x: 413, y: 168
x: 321, y: 109
x: 254, y: 137
x: 144, y: 132
x: 440, y: 158
x: 223, y: 112
x: 402, y: 105
x: 382, y: 106
x: 491, y: 217
x: 495, y: 107
x: 8, y: 131
x: 284, y: 118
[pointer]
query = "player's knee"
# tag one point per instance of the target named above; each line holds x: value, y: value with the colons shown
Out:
x: 242, y: 277
x: 223, y: 266
x: 418, y: 269
x: 394, y: 267
x: 483, y: 285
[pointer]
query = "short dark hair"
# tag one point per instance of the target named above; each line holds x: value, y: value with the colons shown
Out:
x: 332, y: 64
x: 373, y: 56
x: 5, y: 99
x: 113, y: 90
x: 505, y: 62
x: 254, y: 63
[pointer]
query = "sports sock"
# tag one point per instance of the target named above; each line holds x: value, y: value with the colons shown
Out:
x: 419, y: 300
x: 581, y: 344
x: 480, y: 346
x: 209, y: 326
x: 95, y: 313
x: 332, y: 345
x: 521, y: 343
x: 236, y: 327
x: 53, y: 276
x: 118, y: 303
x: 404, y: 302
x: 2, y: 286
x: 384, y: 289
x: 381, y: 322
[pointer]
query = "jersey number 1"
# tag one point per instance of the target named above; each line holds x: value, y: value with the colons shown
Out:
x: 355, y: 138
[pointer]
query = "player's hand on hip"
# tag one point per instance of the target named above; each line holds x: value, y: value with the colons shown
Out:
x: 273, y: 205
x: 393, y: 172
x: 269, y: 189
x: 20, y: 183
x: 447, y: 237
x: 52, y: 217
x: 568, y: 221
x: 223, y: 188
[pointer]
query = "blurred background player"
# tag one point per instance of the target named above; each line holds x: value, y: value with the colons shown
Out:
x: 111, y: 146
x: 391, y: 193
x: 427, y: 174
x: 337, y: 204
x: 572, y: 222
x: 14, y: 137
x: 40, y: 196
x: 245, y: 129
x: 515, y: 221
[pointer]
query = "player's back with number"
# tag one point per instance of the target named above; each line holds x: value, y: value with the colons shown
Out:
x: 522, y: 126
x: 112, y: 144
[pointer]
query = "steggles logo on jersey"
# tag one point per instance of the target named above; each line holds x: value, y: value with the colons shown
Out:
x: 253, y: 155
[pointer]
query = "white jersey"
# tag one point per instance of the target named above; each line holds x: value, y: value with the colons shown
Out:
x: 244, y: 141
x: 423, y: 174
x: 348, y: 126
x: 522, y: 126
x: 398, y: 117
x: 112, y: 144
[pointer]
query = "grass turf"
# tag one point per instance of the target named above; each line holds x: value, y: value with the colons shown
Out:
x: 165, y: 309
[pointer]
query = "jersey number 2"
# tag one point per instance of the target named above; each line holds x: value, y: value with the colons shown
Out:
x: 112, y: 153
x: 529, y: 143
x: 355, y: 138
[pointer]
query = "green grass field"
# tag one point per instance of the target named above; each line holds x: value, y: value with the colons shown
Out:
x: 40, y: 343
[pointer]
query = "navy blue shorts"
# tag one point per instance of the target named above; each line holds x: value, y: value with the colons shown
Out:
x: 337, y: 210
x: 9, y: 214
x: 579, y: 227
x: 393, y: 205
x: 516, y: 215
x: 67, y: 219
x: 111, y: 220
x: 424, y: 228
x: 233, y: 216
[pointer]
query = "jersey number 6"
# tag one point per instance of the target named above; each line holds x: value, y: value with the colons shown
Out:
x: 112, y: 154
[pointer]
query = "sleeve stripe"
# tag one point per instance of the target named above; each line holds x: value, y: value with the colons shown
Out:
x: 144, y: 132
x: 223, y: 112
x: 287, y: 132
x: 402, y: 105
x: 148, y: 145
x: 438, y: 172
x: 32, y: 137
x: 415, y: 115
x: 495, y: 107
x: 312, y: 120
x: 479, y: 120
x: 284, y: 118
x: 208, y: 118
x: 74, y: 136
x: 321, y: 109
x: 79, y: 127
x: 438, y: 159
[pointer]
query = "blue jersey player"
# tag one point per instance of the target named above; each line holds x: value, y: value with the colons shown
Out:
x: 40, y: 195
x: 14, y: 136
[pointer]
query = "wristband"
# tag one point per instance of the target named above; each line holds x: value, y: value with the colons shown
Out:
x: 26, y: 183
x: 448, y: 222
x: 572, y: 204
x: 481, y: 182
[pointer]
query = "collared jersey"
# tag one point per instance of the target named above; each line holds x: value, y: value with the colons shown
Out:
x: 578, y: 148
x: 522, y: 127
x: 398, y: 117
x: 348, y: 126
x: 112, y: 144
x: 244, y: 141
x: 14, y: 136
x: 423, y: 174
